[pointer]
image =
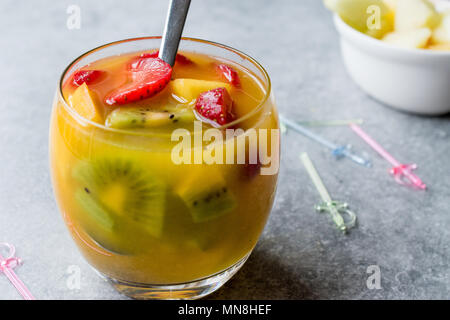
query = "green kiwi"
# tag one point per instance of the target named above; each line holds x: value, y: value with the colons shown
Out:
x: 206, y: 198
x: 98, y: 212
x: 118, y: 191
x: 124, y: 118
x: 105, y: 225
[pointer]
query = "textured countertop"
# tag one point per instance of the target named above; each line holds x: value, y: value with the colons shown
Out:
x: 300, y: 254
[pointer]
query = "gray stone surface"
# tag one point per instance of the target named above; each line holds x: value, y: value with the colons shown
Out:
x: 300, y: 254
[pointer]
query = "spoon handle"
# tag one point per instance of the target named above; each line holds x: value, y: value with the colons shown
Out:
x: 173, y: 29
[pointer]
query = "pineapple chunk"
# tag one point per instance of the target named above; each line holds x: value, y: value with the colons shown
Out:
x: 415, y: 14
x: 357, y: 15
x: 190, y: 89
x: 441, y: 35
x: 412, y: 39
x: 85, y: 103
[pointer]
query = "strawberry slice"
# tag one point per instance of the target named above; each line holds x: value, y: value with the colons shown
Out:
x: 215, y: 105
x: 229, y: 74
x: 150, y: 78
x: 86, y: 76
x: 182, y: 59
x: 137, y: 62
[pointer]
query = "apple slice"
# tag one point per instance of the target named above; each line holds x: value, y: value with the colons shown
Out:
x: 415, y: 14
x: 331, y: 4
x: 412, y: 39
x: 190, y: 89
x: 358, y: 15
x: 85, y: 103
x: 391, y: 4
x: 441, y: 35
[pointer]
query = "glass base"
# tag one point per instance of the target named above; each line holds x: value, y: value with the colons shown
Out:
x: 183, y: 291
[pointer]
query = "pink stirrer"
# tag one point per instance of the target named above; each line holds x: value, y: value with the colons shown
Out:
x: 7, y: 265
x: 402, y: 173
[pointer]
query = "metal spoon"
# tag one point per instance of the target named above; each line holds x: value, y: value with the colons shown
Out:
x: 176, y: 17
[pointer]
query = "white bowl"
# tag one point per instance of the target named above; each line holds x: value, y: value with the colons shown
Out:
x: 411, y: 80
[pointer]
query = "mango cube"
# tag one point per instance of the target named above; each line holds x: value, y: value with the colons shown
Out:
x: 85, y: 103
x: 190, y: 89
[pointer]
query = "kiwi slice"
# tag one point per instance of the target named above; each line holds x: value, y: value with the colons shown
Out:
x: 206, y: 195
x: 118, y: 192
x: 104, y: 234
x: 124, y: 118
x: 96, y: 209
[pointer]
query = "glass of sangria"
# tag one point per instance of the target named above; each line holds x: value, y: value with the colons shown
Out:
x: 165, y: 177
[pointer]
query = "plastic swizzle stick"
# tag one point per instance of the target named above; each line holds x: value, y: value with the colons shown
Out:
x: 329, y: 123
x: 7, y: 265
x: 401, y: 172
x: 338, y: 151
x: 334, y: 208
x: 176, y: 17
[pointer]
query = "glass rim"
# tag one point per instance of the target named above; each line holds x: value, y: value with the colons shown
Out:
x: 154, y: 132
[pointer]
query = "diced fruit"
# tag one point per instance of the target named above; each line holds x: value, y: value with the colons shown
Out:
x: 251, y: 170
x: 190, y: 89
x: 392, y: 4
x: 331, y: 4
x: 205, y: 194
x: 415, y: 14
x: 86, y: 76
x: 106, y: 230
x: 215, y: 105
x: 125, y: 190
x: 441, y: 35
x: 229, y: 74
x: 97, y: 211
x: 122, y: 118
x: 413, y: 39
x: 85, y: 103
x: 150, y: 77
x: 440, y: 47
x: 181, y: 59
x: 137, y: 61
x: 355, y: 14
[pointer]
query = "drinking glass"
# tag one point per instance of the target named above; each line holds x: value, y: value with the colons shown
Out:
x: 185, y: 259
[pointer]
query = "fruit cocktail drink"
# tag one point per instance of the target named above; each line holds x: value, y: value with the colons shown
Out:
x: 154, y: 215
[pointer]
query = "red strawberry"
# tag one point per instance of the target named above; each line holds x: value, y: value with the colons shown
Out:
x: 252, y: 169
x: 149, y: 79
x: 86, y: 76
x: 229, y: 74
x: 215, y: 105
x: 136, y: 63
x: 182, y: 59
